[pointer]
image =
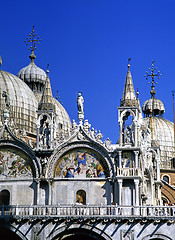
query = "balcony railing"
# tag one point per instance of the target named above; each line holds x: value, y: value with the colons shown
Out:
x: 128, y: 172
x: 88, y: 211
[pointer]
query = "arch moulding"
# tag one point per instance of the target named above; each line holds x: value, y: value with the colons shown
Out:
x: 60, y: 152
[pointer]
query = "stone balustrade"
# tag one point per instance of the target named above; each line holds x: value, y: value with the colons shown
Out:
x: 88, y: 211
x: 128, y: 172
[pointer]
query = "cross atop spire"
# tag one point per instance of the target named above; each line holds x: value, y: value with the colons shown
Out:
x: 129, y: 59
x: 32, y: 41
x: 153, y: 75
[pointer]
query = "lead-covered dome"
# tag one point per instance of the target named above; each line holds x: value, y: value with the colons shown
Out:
x: 163, y: 137
x: 34, y: 77
x: 32, y: 73
x: 154, y: 105
x: 23, y: 104
x: 63, y: 121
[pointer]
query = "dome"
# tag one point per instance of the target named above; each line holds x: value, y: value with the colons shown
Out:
x: 32, y: 73
x: 163, y: 137
x: 62, y: 120
x: 154, y: 105
x: 34, y: 76
x: 23, y: 104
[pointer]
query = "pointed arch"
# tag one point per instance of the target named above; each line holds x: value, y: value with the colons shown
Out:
x: 131, y: 113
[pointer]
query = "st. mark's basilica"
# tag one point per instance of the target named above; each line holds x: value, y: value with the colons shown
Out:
x: 60, y: 180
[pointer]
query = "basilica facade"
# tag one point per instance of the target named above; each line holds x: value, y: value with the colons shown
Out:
x: 60, y: 180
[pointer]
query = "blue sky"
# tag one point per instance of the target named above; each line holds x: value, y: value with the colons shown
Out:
x: 87, y: 44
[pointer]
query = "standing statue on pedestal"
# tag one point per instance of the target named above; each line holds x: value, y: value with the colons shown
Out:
x: 80, y: 102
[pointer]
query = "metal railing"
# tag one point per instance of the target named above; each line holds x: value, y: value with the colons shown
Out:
x: 88, y: 211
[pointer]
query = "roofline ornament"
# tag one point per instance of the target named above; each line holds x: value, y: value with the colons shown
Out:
x: 32, y: 41
x: 153, y: 75
x: 80, y: 101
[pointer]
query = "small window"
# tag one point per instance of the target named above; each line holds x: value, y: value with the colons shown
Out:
x: 4, y: 197
x: 81, y: 197
x: 166, y: 179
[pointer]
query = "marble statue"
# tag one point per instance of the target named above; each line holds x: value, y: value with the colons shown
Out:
x: 80, y: 102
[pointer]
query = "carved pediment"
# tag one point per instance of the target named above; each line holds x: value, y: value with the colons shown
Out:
x: 86, y: 133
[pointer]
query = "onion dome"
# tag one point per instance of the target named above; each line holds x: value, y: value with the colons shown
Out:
x: 153, y: 105
x: 34, y: 76
x: 163, y: 138
x: 23, y: 104
x: 32, y: 73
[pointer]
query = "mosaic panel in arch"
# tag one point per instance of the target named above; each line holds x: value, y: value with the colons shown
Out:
x: 79, y: 163
x: 14, y: 163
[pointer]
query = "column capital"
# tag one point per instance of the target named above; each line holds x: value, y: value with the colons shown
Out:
x: 120, y: 180
x: 136, y: 181
x: 136, y: 152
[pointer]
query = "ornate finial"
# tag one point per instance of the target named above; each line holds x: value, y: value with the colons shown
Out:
x: 32, y: 41
x: 153, y: 75
x: 129, y: 59
x: 80, y: 102
x: 47, y: 70
x: 137, y: 93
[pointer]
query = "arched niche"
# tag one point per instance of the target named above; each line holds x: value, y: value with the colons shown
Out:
x: 166, y: 178
x: 81, y: 163
x: 127, y: 120
x: 15, y: 163
x: 81, y: 197
x: 4, y: 197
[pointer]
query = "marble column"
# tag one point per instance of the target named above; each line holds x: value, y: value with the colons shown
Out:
x: 136, y: 182
x: 135, y: 133
x: 120, y: 158
x: 37, y: 141
x: 120, y: 182
x: 136, y: 159
x: 120, y: 132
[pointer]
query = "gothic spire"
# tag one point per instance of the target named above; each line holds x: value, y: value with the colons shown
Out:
x: 47, y: 98
x: 128, y: 98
